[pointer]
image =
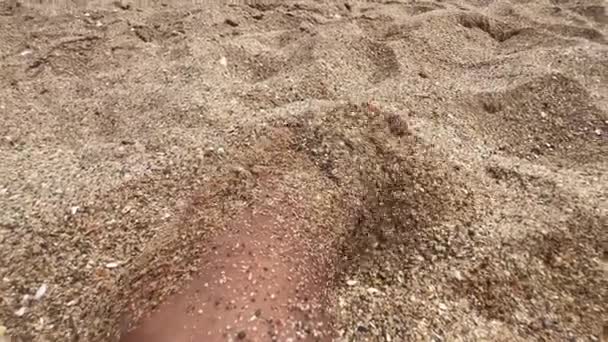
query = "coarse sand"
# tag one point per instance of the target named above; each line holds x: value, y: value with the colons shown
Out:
x: 304, y: 170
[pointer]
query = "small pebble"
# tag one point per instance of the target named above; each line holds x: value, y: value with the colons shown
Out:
x: 231, y: 22
x: 21, y: 311
x: 40, y: 292
x: 112, y: 265
x: 373, y: 291
x: 362, y: 328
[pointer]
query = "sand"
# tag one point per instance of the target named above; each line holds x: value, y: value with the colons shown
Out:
x: 427, y: 170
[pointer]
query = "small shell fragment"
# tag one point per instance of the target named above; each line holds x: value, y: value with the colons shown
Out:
x: 112, y: 264
x: 20, y: 312
x: 40, y: 292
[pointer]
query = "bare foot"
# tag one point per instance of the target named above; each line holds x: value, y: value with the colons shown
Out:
x: 258, y: 283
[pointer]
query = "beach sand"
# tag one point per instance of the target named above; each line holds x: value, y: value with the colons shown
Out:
x: 313, y: 170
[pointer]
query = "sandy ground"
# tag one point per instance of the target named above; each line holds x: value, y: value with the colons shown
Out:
x: 410, y: 170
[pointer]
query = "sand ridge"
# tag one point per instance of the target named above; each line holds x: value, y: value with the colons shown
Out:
x: 451, y: 154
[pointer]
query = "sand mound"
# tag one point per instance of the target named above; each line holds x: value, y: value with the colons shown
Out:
x: 413, y: 169
x: 551, y: 116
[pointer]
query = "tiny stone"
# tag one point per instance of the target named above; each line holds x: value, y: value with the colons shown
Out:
x: 26, y: 299
x: 41, y: 291
x: 20, y: 312
x: 231, y: 22
x: 306, y: 27
x: 112, y: 265
x: 241, y: 335
x: 373, y: 291
x: 437, y: 338
x: 351, y: 282
x: 122, y: 5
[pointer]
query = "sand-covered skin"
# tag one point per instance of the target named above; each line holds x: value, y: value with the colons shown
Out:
x: 454, y: 155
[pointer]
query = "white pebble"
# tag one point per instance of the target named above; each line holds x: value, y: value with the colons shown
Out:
x: 351, y: 282
x: 40, y: 292
x: 223, y: 61
x: 113, y: 264
x: 20, y: 312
